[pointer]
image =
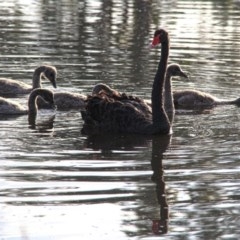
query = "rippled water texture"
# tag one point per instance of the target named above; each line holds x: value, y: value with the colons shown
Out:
x: 56, y: 183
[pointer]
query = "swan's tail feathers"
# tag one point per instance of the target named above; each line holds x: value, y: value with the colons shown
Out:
x: 237, y: 102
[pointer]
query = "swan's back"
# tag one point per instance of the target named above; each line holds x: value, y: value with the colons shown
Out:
x: 69, y: 100
x: 189, y: 98
x: 10, y: 107
x: 105, y: 114
x: 10, y: 86
x: 65, y: 101
x: 135, y: 101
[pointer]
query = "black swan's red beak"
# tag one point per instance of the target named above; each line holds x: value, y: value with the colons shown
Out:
x: 155, y: 41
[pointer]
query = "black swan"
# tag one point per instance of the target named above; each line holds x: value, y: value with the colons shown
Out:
x: 105, y: 114
x: 198, y: 99
x: 173, y: 70
x: 15, y: 87
x: 10, y: 107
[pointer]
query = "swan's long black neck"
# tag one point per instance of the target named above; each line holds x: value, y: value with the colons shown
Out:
x: 158, y: 112
x: 168, y: 97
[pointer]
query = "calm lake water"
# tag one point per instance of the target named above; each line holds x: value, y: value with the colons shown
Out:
x: 59, y: 184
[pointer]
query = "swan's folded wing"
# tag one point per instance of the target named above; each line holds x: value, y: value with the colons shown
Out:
x: 108, y: 115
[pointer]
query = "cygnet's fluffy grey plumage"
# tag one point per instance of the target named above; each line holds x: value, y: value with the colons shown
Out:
x: 65, y: 101
x: 190, y: 98
x: 14, y: 87
x: 10, y: 107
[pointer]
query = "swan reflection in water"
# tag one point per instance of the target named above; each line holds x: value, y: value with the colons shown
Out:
x: 43, y: 126
x: 108, y: 143
x: 159, y: 146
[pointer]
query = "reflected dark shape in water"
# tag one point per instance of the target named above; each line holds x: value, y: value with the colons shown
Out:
x: 197, y: 111
x: 160, y: 144
x: 8, y: 117
x: 109, y: 142
x: 43, y: 126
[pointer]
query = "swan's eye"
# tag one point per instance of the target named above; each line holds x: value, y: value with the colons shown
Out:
x: 51, y: 75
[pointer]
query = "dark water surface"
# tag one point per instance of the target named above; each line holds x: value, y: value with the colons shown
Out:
x: 56, y: 183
